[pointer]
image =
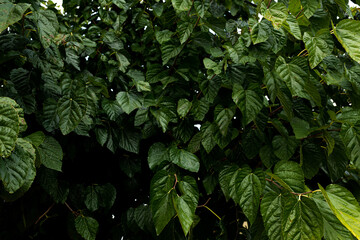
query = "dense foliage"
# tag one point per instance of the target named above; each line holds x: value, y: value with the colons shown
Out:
x: 180, y: 119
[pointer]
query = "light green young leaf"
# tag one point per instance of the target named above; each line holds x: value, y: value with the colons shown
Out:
x: 345, y: 207
x: 276, y: 14
x: 333, y: 229
x: 300, y: 127
x: 348, y: 32
x: 181, y: 5
x: 87, y: 227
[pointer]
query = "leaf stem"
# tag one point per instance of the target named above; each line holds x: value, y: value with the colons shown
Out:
x: 176, y: 181
x: 44, y: 214
x: 301, y: 52
x: 297, y: 15
x: 212, y: 212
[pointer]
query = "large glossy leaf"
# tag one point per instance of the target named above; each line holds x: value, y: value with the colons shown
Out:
x: 129, y: 140
x: 276, y: 14
x: 129, y: 101
x: 284, y: 146
x: 223, y: 120
x: 9, y: 129
x: 290, y: 175
x: 317, y: 49
x: 310, y: 7
x: 11, y: 13
x: 161, y: 194
x: 351, y: 139
x: 183, y: 107
x: 236, y: 181
x: 15, y: 169
x: 260, y: 32
x: 87, y: 227
x: 250, y: 197
x: 248, y: 101
x: 70, y: 114
x: 184, y: 159
x: 47, y: 26
x: 225, y: 176
x: 302, y: 220
x: 333, y: 229
x: 345, y: 207
x: 347, y: 32
x: 294, y: 75
x: 185, y: 205
x: 272, y: 207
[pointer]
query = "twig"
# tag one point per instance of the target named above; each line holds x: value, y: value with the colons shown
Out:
x: 191, y: 7
x: 280, y: 187
x: 250, y: 3
x: 297, y: 15
x: 72, y: 211
x: 273, y: 112
x: 270, y: 180
x: 176, y: 181
x: 204, y: 203
x: 46, y: 212
x: 269, y: 4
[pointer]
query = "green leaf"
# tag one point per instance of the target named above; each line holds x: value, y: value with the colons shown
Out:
x: 248, y: 102
x: 284, y: 147
x: 181, y: 5
x: 250, y: 198
x: 210, y: 88
x: 9, y: 129
x: 183, y: 107
x: 50, y: 153
x: 139, y: 80
x: 294, y: 75
x: 223, y: 120
x: 272, y: 212
x: 50, y: 116
x: 225, y: 176
x: 184, y: 159
x: 347, y: 32
x: 169, y: 51
x: 310, y: 7
x: 91, y: 198
x: 36, y: 138
x: 11, y: 13
x: 344, y: 206
x: 70, y: 114
x: 236, y: 182
x: 15, y: 169
x: 185, y: 29
x: 157, y: 154
x: 72, y: 58
x: 276, y: 14
x: 351, y: 139
x: 291, y: 25
x: 113, y: 41
x: 185, y: 205
x: 201, y: 7
x: 123, y: 62
x: 112, y: 108
x: 207, y: 139
x: 47, y: 26
x: 290, y: 175
x: 317, y: 49
x: 129, y: 140
x: 129, y: 101
x: 333, y: 229
x: 302, y: 220
x: 163, y: 36
x: 87, y: 227
x: 161, y: 195
x: 260, y: 32
x: 300, y: 127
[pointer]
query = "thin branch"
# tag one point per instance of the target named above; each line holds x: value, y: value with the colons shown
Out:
x: 250, y: 3
x: 204, y: 203
x: 191, y: 7
x: 277, y: 109
x: 176, y: 181
x: 280, y: 187
x: 297, y: 15
x: 212, y: 212
x: 44, y: 214
x: 272, y: 181
x: 72, y: 211
x: 269, y: 4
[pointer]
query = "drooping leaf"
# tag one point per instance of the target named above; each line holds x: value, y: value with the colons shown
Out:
x: 47, y: 26
x: 183, y: 107
x: 276, y: 14
x: 344, y: 206
x: 317, y: 48
x: 250, y: 197
x: 9, y: 129
x: 129, y: 101
x: 157, y: 154
x: 11, y: 13
x: 290, y: 175
x: 284, y: 146
x: 50, y: 153
x: 180, y: 5
x: 70, y: 114
x: 351, y: 139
